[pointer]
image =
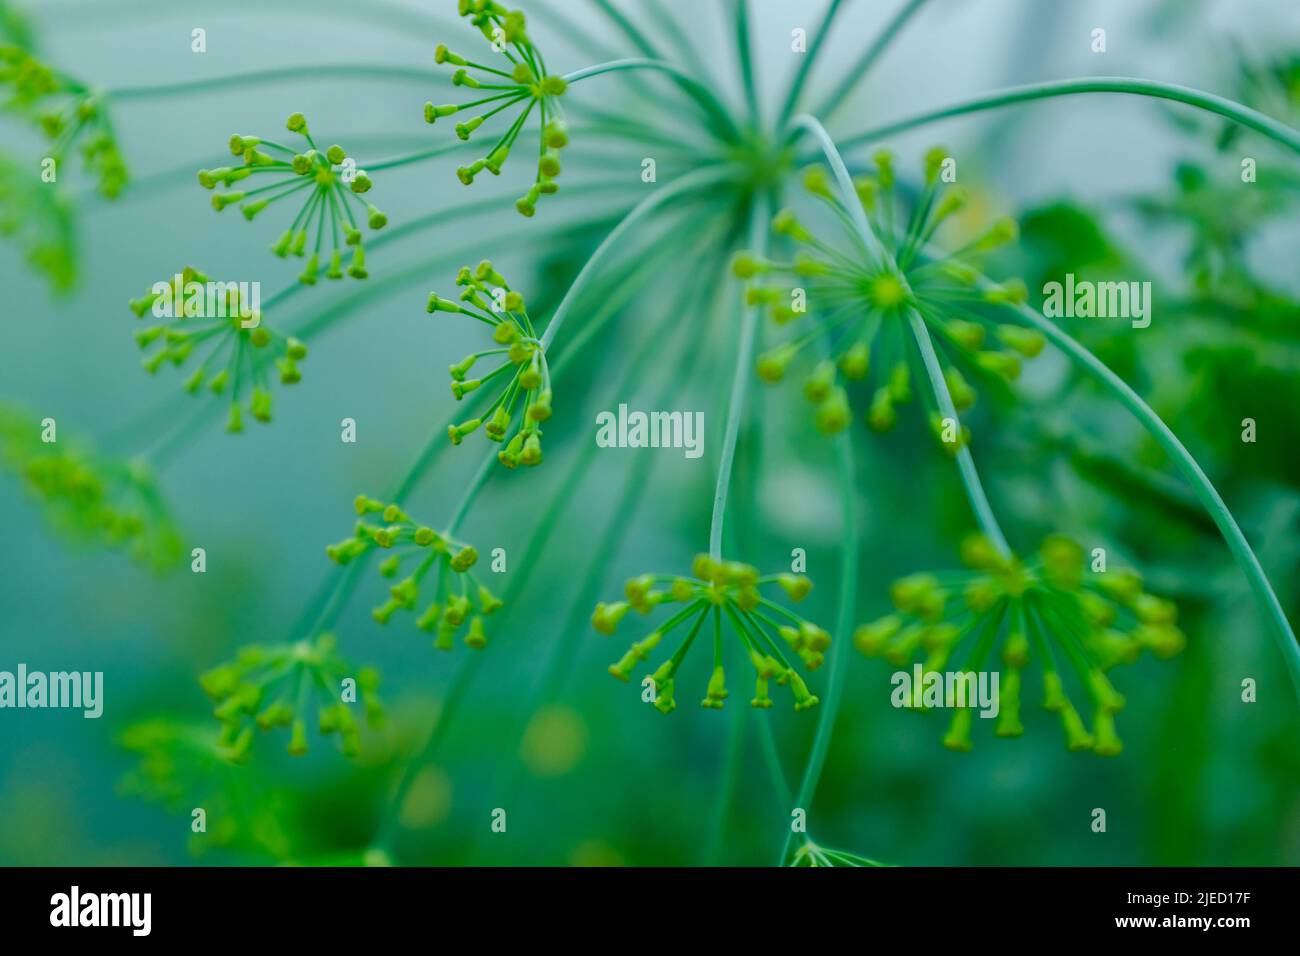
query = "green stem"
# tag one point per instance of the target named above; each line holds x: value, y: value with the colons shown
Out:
x: 1201, y: 484
x: 305, y: 73
x: 567, y: 488
x: 638, y: 480
x: 1209, y: 102
x: 691, y: 86
x: 639, y: 211
x: 806, y: 64
x: 415, y: 157
x: 869, y: 57
x: 970, y: 478
x: 965, y: 463
x: 759, y: 214
x: 639, y: 39
x: 843, y: 629
x: 740, y: 12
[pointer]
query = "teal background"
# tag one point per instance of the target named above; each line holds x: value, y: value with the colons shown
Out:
x: 1204, y: 779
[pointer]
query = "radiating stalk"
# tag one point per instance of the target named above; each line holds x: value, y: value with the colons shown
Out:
x: 745, y: 53
x: 759, y: 215
x: 699, y: 93
x: 656, y: 199
x: 1209, y: 102
x: 307, y: 74
x: 855, y: 73
x: 806, y: 64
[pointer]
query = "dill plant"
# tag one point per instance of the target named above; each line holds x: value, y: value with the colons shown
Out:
x: 328, y: 208
x: 231, y: 350
x: 889, y: 276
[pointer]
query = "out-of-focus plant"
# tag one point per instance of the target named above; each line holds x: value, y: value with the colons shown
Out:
x: 86, y: 495
x: 1048, y: 610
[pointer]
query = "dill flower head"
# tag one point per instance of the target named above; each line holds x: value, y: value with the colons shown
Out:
x: 39, y: 220
x: 182, y: 764
x: 288, y: 685
x: 328, y: 185
x: 205, y: 326
x: 1075, y: 623
x: 70, y: 115
x: 89, y: 496
x: 812, y: 855
x: 721, y: 591
x: 457, y: 600
x: 520, y: 83
x: 860, y: 303
x: 522, y: 378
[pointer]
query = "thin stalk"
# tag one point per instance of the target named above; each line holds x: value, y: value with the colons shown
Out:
x: 843, y: 629
x: 1209, y: 102
x: 638, y: 212
x: 701, y: 94
x: 465, y: 673
x: 869, y: 57
x: 806, y: 65
x: 360, y: 71
x: 639, y: 39
x: 970, y: 478
x: 614, y: 535
x: 965, y: 463
x: 740, y: 13
x: 415, y: 157
x: 870, y: 240
x: 1204, y: 489
x: 759, y: 215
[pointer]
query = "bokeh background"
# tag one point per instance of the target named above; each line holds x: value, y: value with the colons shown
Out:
x: 590, y: 775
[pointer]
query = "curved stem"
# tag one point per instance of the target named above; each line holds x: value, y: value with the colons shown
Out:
x: 701, y: 94
x: 806, y: 64
x: 843, y: 629
x: 869, y: 57
x: 1221, y: 106
x: 842, y: 178
x: 1201, y: 484
x: 740, y: 11
x: 360, y: 71
x: 744, y: 364
x: 970, y: 478
x: 965, y: 463
x: 638, y: 212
